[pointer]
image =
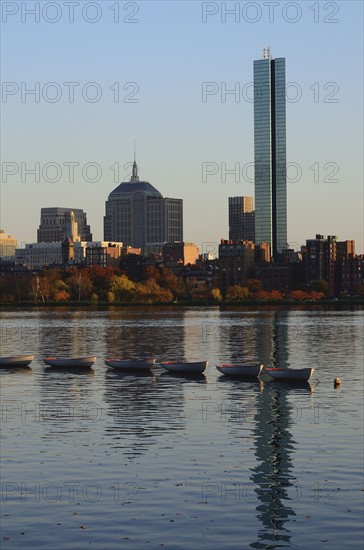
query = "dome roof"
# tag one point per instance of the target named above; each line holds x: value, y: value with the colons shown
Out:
x: 129, y: 187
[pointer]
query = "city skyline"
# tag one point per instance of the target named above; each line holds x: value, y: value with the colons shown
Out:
x: 190, y: 107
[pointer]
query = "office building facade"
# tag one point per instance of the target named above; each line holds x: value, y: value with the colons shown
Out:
x: 8, y: 245
x: 68, y: 252
x: 241, y: 219
x: 236, y: 263
x: 137, y: 214
x: 270, y: 153
x: 325, y: 256
x: 57, y: 223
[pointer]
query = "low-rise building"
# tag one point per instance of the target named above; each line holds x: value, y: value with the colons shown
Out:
x: 56, y: 223
x: 8, y: 245
x: 236, y: 263
x: 323, y: 255
x: 180, y: 253
x: 351, y: 275
x: 39, y: 255
x: 282, y: 277
x: 104, y: 254
x: 262, y: 253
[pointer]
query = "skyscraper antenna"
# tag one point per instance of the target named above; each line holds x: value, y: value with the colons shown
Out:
x: 135, y: 176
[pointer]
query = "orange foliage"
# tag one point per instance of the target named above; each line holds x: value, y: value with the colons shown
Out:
x: 275, y: 295
x: 314, y: 295
x: 297, y: 294
x: 61, y: 296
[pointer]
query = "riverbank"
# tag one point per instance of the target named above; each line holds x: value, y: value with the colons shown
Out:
x: 190, y: 303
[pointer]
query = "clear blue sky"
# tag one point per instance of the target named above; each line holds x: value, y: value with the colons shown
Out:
x: 168, y: 53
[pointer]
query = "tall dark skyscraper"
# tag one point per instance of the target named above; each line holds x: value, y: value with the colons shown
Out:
x: 270, y: 152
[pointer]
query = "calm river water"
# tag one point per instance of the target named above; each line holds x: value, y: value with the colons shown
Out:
x: 104, y: 460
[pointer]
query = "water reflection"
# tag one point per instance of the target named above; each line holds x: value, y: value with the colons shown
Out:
x: 266, y: 409
x: 253, y: 338
x: 4, y: 370
x: 185, y: 377
x: 140, y: 410
x: 74, y: 371
x: 273, y: 478
x: 139, y: 333
x: 69, y: 333
x: 65, y: 403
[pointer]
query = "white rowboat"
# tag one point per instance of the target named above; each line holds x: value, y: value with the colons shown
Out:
x: 69, y: 362
x: 239, y: 370
x: 289, y: 374
x: 16, y: 361
x: 179, y: 367
x: 130, y: 364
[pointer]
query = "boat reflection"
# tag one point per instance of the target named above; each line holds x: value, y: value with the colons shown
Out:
x: 140, y: 410
x: 8, y: 369
x: 127, y: 373
x: 236, y: 381
x: 292, y: 386
x: 78, y: 371
x: 184, y: 377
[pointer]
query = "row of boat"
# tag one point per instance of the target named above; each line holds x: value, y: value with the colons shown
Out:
x: 177, y: 367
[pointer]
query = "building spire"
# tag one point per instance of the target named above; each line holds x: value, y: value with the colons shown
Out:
x: 266, y: 53
x: 135, y: 176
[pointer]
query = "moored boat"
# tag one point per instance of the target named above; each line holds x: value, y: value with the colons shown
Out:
x: 240, y: 369
x: 16, y: 361
x: 130, y: 364
x: 180, y: 367
x: 68, y: 362
x: 289, y: 374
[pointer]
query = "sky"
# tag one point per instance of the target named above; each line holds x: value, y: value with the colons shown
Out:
x: 106, y: 73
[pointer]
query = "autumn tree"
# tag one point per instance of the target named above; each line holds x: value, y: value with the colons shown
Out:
x: 275, y: 295
x: 101, y: 278
x: 41, y: 288
x: 315, y: 295
x: 216, y: 295
x: 297, y: 294
x: 61, y: 296
x: 320, y: 286
x: 122, y: 288
x: 80, y: 284
x: 168, y: 280
x: 237, y: 292
x: 262, y: 295
x: 254, y: 285
x: 150, y: 291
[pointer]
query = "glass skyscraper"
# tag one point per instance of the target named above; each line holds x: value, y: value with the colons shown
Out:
x: 270, y: 152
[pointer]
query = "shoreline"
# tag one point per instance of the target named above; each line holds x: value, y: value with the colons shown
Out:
x: 197, y: 303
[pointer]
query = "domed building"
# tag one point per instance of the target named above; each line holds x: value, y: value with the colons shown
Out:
x: 136, y: 214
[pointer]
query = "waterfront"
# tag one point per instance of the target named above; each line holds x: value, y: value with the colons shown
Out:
x: 105, y: 460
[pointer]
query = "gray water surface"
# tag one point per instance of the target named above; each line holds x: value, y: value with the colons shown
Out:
x: 100, y: 459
